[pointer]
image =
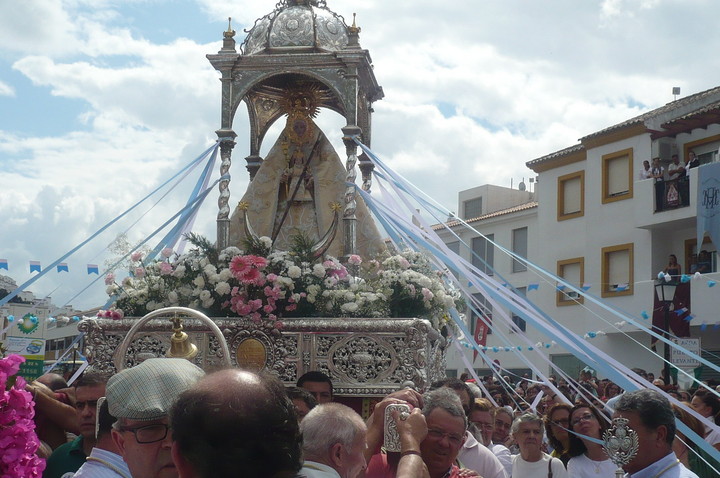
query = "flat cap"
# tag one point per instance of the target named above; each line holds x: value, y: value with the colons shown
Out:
x: 147, y: 391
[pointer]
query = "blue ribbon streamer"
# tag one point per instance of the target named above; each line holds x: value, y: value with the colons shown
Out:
x: 28, y: 283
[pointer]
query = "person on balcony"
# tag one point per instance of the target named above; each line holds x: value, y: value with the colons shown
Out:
x: 645, y: 172
x: 673, y: 268
x: 658, y: 173
x: 676, y: 170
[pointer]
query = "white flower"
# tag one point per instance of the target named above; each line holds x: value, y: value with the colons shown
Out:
x: 318, y: 271
x: 179, y: 271
x: 210, y: 270
x: 205, y: 295
x: 266, y: 242
x: 173, y: 297
x: 222, y: 288
x: 294, y: 272
x: 199, y: 281
x: 349, y: 307
x: 225, y: 275
x: 208, y: 303
x: 349, y: 296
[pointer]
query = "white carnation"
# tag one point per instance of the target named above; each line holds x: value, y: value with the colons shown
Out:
x: 318, y: 270
x: 173, y: 297
x: 199, y: 281
x: 349, y: 307
x: 222, y: 288
x: 294, y: 272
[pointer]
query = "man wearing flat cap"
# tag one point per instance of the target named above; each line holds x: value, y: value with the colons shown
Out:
x: 140, y: 397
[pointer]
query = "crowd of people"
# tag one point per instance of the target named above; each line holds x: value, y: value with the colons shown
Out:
x: 671, y: 184
x: 166, y: 418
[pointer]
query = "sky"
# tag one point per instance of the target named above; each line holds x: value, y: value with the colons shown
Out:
x: 101, y: 101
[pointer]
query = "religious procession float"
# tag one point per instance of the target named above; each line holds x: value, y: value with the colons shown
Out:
x: 299, y: 277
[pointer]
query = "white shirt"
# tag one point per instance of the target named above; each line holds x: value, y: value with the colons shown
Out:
x: 503, y: 454
x: 103, y: 464
x: 477, y: 457
x: 538, y: 469
x: 313, y: 469
x: 583, y: 467
x: 667, y: 467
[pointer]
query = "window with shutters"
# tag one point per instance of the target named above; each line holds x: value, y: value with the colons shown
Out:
x: 617, y: 176
x: 617, y: 270
x: 571, y: 196
x: 573, y: 272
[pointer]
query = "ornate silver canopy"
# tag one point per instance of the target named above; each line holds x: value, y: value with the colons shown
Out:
x: 301, y: 44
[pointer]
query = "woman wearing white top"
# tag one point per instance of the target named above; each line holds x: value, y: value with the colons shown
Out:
x: 588, y: 457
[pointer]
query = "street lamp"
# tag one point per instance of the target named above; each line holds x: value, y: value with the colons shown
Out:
x: 76, y: 345
x: 665, y: 291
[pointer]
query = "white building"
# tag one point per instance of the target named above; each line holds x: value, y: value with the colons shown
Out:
x: 56, y: 335
x: 595, y: 225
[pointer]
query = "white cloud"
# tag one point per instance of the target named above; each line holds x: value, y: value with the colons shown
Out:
x: 6, y: 90
x: 472, y: 93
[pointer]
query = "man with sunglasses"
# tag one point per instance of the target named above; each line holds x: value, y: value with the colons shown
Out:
x: 67, y: 458
x: 140, y: 398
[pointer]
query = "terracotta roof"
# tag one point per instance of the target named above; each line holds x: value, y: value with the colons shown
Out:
x: 502, y: 212
x: 557, y: 154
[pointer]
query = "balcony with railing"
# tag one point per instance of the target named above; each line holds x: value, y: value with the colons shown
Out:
x: 676, y: 200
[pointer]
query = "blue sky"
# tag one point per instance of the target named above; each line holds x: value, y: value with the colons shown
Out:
x: 102, y: 100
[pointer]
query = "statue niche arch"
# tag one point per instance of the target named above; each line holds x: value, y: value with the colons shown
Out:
x: 299, y: 45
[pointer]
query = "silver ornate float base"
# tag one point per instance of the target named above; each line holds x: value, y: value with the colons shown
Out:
x: 364, y: 357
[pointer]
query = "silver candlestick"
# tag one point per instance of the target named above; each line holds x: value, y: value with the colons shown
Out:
x: 621, y: 444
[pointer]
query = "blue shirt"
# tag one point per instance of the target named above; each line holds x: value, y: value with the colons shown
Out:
x: 667, y: 467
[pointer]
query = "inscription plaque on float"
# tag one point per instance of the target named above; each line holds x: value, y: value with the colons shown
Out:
x: 251, y: 354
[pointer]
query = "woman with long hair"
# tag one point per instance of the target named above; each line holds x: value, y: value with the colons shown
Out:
x: 588, y: 457
x: 707, y: 404
x: 673, y: 268
x: 692, y: 456
x: 557, y: 423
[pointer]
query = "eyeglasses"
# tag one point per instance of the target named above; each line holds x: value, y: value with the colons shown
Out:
x: 149, y: 433
x: 484, y: 425
x: 583, y: 418
x: 454, y: 439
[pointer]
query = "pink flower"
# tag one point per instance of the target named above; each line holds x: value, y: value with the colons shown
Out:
x: 167, y: 252
x: 166, y: 268
x: 239, y: 266
x: 109, y: 279
x: 268, y: 308
x: 279, y: 325
x: 258, y: 261
x: 427, y: 294
x: 136, y: 256
x: 117, y: 314
x: 291, y: 307
x: 355, y: 260
x: 10, y: 365
x: 404, y: 263
x: 139, y: 272
x: 272, y: 277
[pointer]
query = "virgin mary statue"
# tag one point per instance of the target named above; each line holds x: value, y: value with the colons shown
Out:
x: 299, y: 187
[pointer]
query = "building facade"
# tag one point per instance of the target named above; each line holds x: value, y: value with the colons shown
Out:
x: 600, y: 227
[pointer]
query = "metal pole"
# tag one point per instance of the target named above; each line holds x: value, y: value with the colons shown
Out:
x: 666, y: 365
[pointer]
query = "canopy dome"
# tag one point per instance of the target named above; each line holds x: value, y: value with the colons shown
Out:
x: 306, y: 25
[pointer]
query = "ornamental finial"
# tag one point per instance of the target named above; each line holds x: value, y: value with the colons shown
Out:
x: 230, y: 32
x: 354, y: 29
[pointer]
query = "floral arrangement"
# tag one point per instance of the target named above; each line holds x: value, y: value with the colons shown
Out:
x: 18, y: 440
x: 267, y: 285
